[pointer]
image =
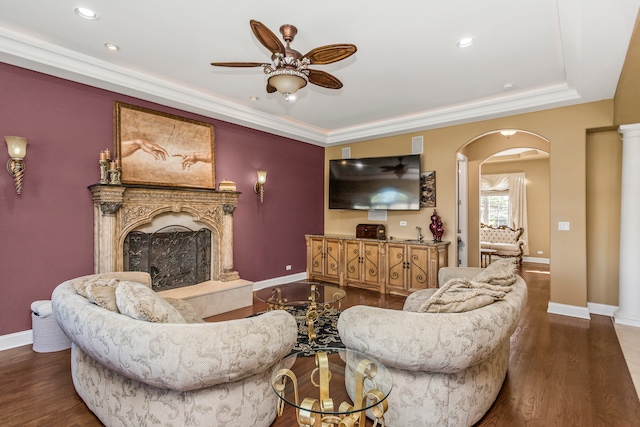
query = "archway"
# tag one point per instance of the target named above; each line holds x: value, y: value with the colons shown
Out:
x: 477, y: 151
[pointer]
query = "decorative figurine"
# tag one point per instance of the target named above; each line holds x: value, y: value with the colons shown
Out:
x: 436, y: 227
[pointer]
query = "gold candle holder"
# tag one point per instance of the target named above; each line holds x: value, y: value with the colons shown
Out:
x: 114, y: 176
x: 104, y: 171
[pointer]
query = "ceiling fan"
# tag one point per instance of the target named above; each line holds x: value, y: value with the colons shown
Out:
x: 289, y: 70
x: 399, y: 170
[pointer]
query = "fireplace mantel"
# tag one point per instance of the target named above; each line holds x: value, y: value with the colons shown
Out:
x: 120, y: 209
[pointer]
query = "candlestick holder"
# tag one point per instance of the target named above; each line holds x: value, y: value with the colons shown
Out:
x: 104, y: 171
x: 114, y: 176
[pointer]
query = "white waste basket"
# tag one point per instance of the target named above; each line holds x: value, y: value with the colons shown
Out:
x: 47, y: 335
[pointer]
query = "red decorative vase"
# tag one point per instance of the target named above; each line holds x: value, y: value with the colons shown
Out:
x: 436, y: 227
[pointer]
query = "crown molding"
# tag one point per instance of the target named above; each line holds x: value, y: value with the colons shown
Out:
x: 36, y: 55
x: 20, y: 50
x: 524, y: 102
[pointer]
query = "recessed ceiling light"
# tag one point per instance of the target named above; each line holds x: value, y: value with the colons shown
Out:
x: 465, y: 42
x: 253, y: 98
x: 85, y: 13
x: 111, y: 46
x: 508, y: 132
x: 507, y: 86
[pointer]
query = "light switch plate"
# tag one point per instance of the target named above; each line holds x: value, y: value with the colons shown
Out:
x: 564, y: 225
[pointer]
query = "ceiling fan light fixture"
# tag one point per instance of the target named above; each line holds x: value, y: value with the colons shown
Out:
x: 287, y: 81
x: 288, y: 71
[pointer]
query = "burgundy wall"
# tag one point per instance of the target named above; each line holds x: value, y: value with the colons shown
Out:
x: 47, y: 232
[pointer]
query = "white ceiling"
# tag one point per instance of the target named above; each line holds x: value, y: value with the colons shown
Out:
x: 407, y: 75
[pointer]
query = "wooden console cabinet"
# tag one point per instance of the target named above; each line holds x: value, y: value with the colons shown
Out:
x: 398, y: 267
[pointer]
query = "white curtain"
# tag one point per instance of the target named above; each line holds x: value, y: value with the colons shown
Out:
x: 516, y: 184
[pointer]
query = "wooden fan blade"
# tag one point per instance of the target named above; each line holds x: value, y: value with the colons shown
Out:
x: 330, y: 53
x: 324, y: 79
x: 271, y: 89
x: 237, y: 64
x: 266, y: 37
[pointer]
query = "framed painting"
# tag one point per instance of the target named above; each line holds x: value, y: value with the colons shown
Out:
x: 428, y: 189
x: 156, y: 148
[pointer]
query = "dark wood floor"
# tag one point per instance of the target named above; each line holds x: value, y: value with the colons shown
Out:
x: 563, y: 372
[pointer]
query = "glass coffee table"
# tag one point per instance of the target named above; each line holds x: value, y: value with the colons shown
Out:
x: 316, y: 297
x: 332, y: 375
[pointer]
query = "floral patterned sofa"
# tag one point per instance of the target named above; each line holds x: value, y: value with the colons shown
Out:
x: 133, y: 372
x: 448, y: 362
x: 504, y: 240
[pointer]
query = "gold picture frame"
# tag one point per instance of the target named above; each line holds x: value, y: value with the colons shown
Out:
x: 162, y: 149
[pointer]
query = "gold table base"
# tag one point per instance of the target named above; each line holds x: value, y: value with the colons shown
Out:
x: 314, y: 309
x: 350, y: 415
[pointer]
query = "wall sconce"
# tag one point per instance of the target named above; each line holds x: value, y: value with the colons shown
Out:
x: 259, y: 186
x: 17, y: 147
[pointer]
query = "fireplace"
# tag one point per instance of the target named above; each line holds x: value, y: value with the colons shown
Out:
x: 174, y: 256
x: 123, y: 212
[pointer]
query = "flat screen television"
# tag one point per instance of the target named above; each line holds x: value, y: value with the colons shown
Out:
x: 385, y: 183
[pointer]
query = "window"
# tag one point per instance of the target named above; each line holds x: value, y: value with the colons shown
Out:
x: 503, y: 201
x: 494, y: 209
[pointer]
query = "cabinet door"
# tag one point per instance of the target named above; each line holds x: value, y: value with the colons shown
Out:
x: 317, y: 261
x: 332, y: 258
x: 353, y: 260
x: 396, y: 266
x: 370, y: 257
x: 418, y: 258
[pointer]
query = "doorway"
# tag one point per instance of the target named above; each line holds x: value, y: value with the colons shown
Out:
x: 495, y: 153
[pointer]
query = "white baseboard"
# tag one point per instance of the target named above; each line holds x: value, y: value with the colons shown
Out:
x: 568, y: 310
x: 623, y: 320
x: 279, y: 281
x: 536, y: 260
x: 601, y: 309
x: 17, y: 339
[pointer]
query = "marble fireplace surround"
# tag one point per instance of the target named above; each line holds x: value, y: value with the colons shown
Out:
x: 120, y: 209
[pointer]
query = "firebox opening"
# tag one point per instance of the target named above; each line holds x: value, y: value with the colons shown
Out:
x: 174, y: 255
